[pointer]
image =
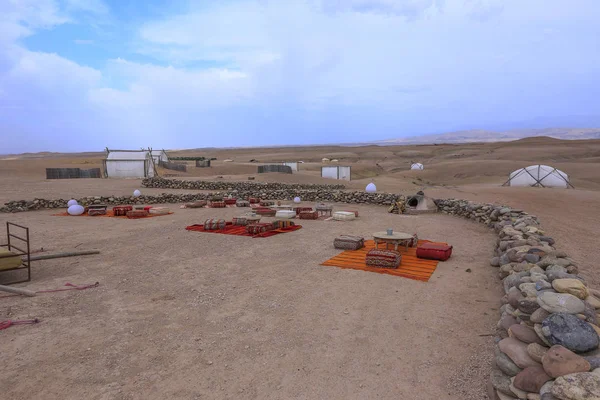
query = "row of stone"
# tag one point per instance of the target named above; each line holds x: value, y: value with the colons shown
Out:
x: 162, y: 183
x: 169, y: 198
x: 548, y: 333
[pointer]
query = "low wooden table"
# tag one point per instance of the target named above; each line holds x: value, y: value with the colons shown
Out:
x: 396, y: 238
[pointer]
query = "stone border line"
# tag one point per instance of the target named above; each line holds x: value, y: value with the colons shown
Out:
x: 547, y: 343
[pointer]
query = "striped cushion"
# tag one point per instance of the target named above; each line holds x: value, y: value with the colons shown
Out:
x: 230, y: 201
x: 137, y: 214
x: 241, y: 221
x: 349, y: 242
x: 121, y: 210
x: 383, y: 258
x: 217, y: 204
x: 196, y: 204
x: 282, y: 223
x: 302, y: 209
x: 214, y: 224
x: 97, y: 211
x: 242, y: 203
x: 309, y: 215
x: 267, y: 212
x: 255, y: 229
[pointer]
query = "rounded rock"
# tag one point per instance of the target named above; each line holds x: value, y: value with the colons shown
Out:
x: 569, y: 331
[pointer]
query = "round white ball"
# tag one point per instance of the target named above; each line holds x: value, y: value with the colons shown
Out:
x: 75, y: 209
x: 137, y: 193
x: 297, y: 200
x: 371, y: 188
x: 71, y: 202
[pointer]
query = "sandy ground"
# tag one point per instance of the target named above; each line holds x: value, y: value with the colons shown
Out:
x: 190, y: 315
x: 187, y: 315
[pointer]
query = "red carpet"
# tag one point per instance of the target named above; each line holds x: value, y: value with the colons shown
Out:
x: 241, y: 230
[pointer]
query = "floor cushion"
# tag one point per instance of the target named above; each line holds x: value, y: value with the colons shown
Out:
x: 434, y: 251
x: 349, y: 242
x: 214, y: 224
x: 255, y: 229
x: 309, y: 215
x: 383, y: 258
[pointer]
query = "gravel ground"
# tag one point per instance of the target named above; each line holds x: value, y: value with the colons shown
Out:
x: 187, y: 315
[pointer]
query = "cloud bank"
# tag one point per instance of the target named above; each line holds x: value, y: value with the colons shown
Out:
x: 301, y: 71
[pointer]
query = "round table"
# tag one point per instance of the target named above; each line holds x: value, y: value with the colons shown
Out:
x: 396, y: 238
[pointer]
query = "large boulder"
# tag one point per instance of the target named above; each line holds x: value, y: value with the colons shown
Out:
x: 560, y: 303
x: 531, y: 379
x: 571, y: 286
x: 578, y: 386
x: 569, y: 331
x: 517, y: 352
x: 559, y: 361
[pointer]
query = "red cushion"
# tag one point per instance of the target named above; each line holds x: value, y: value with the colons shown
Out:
x: 434, y: 251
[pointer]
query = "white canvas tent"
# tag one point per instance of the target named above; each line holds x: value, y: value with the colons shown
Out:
x: 336, y: 172
x: 539, y: 176
x: 128, y: 164
x: 417, y: 166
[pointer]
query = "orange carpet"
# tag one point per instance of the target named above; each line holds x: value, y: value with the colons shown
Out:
x: 109, y: 213
x: 411, y: 267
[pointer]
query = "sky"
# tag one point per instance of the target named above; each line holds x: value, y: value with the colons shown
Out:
x: 82, y: 75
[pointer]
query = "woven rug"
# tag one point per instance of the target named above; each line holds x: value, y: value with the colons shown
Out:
x: 109, y: 213
x: 411, y: 267
x: 241, y: 230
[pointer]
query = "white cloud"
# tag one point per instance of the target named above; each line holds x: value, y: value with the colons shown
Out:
x: 235, y: 69
x: 91, y: 6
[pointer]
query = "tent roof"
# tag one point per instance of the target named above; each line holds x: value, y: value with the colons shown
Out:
x: 127, y: 155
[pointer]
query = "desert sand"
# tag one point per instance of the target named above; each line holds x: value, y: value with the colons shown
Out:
x: 189, y: 315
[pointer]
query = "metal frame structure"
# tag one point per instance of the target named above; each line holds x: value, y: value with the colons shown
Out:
x: 538, y: 182
x: 26, y: 264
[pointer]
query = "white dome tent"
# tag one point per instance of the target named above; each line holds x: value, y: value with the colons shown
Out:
x: 417, y: 166
x: 539, y: 176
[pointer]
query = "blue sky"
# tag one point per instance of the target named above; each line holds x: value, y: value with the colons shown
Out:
x: 86, y: 74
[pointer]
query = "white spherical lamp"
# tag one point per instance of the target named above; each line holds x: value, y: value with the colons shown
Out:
x: 371, y: 188
x: 75, y: 209
x: 71, y: 202
x: 297, y: 200
x: 137, y: 193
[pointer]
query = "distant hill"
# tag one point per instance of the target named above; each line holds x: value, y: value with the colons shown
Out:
x: 487, y: 136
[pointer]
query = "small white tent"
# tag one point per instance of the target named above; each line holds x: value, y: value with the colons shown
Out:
x: 539, y: 176
x: 128, y: 164
x: 417, y: 166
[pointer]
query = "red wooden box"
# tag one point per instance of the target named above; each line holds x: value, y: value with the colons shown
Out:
x: 434, y: 251
x: 302, y: 209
